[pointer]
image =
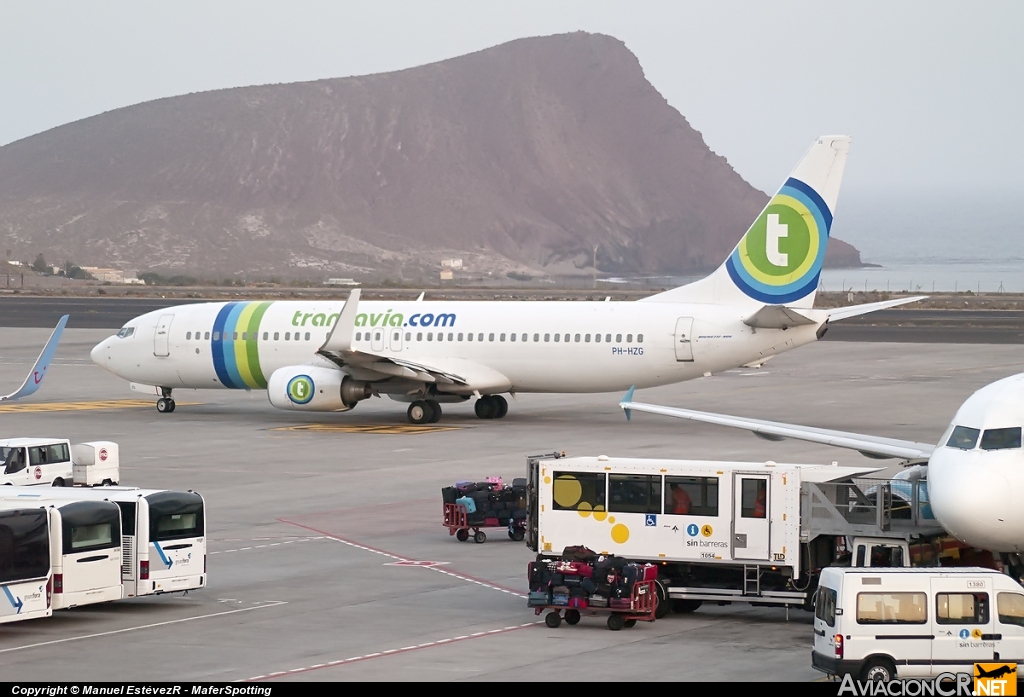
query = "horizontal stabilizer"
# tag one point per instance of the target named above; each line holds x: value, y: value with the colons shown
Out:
x: 836, y: 314
x: 777, y: 317
x: 871, y: 446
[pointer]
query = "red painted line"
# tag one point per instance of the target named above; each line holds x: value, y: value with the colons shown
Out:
x: 390, y: 652
x: 375, y: 550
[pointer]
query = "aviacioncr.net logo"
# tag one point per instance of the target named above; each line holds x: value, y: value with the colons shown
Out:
x: 300, y: 389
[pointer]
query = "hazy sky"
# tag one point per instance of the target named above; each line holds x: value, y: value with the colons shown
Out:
x: 932, y: 92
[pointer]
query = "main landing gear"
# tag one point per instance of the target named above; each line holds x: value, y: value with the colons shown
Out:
x: 424, y: 411
x: 165, y: 405
x: 491, y: 406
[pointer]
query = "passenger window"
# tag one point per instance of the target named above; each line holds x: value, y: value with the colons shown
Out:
x: 359, y: 336
x: 440, y: 336
x: 525, y: 337
x: 287, y: 336
x: 480, y: 336
x: 207, y: 335
x: 608, y: 338
x: 963, y: 438
x: 547, y: 337
x: 691, y: 496
x: 577, y: 338
x: 469, y: 337
x: 1000, y: 438
x: 188, y: 336
x: 511, y: 337
x: 578, y: 491
x: 408, y: 336
x: 460, y: 336
x: 307, y: 336
x: 557, y: 337
x: 419, y: 336
x: 57, y: 453
x: 451, y: 336
x: 430, y: 336
x: 825, y: 606
x: 891, y: 608
x: 597, y: 338
x: 37, y: 456
x: 234, y: 336
x: 216, y: 336
x: 586, y: 339
x: 639, y: 338
x: 1011, y: 608
x: 629, y: 338
x: 618, y: 338
x: 266, y: 335
x: 961, y: 608
x: 754, y: 497
x: 490, y: 337
x: 634, y: 493
x: 502, y: 337
x: 536, y: 337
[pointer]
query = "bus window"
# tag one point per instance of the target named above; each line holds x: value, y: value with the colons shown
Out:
x: 891, y: 608
x: 24, y: 545
x: 961, y: 608
x: 634, y: 493
x: 175, y: 515
x: 88, y: 527
x: 578, y: 491
x: 1011, y: 608
x: 58, y: 452
x: 691, y: 496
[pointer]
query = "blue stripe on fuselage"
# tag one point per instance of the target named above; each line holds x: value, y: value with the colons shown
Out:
x: 217, y: 347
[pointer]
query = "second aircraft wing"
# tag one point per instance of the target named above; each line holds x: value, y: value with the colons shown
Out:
x: 870, y: 446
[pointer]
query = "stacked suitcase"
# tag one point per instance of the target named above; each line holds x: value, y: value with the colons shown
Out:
x: 491, y: 503
x: 583, y: 579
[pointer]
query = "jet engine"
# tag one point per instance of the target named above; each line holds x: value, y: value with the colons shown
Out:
x: 315, y: 388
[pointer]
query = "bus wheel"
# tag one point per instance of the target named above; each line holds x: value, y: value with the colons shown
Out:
x: 880, y: 669
x: 462, y: 534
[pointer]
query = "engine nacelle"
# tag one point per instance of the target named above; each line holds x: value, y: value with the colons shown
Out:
x: 314, y: 388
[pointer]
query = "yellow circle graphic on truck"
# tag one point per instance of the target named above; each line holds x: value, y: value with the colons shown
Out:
x: 620, y: 533
x: 567, y: 491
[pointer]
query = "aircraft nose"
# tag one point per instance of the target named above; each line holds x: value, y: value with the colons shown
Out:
x: 99, y: 353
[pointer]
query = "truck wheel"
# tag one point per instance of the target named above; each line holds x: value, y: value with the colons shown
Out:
x: 479, y: 537
x: 58, y: 482
x: 685, y: 607
x: 572, y: 617
x: 552, y: 620
x: 615, y: 622
x: 664, y: 606
x: 880, y: 669
x: 462, y: 534
x: 629, y: 624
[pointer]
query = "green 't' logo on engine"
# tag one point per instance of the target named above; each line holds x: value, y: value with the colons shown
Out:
x: 300, y: 389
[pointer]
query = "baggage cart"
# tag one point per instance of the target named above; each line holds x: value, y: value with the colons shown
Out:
x: 642, y: 606
x: 457, y: 521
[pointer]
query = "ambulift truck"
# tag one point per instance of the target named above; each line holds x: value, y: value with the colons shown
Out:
x: 725, y: 531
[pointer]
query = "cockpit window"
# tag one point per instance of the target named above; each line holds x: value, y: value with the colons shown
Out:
x: 1000, y: 438
x: 964, y: 438
x: 125, y: 332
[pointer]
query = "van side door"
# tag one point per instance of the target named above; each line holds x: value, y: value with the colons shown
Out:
x: 1010, y: 625
x: 963, y: 623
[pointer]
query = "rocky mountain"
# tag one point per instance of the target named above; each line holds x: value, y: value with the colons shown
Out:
x: 520, y: 157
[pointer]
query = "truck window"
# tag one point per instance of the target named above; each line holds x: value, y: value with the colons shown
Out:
x: 892, y: 608
x: 963, y: 438
x: 691, y: 496
x: 754, y: 496
x: 961, y: 608
x: 634, y: 493
x: 578, y: 491
x: 1000, y: 438
x: 825, y: 606
x: 1011, y: 608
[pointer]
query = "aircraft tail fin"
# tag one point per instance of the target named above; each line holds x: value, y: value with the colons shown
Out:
x: 38, y: 372
x: 779, y: 259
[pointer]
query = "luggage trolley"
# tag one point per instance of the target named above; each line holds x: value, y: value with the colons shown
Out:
x: 457, y: 521
x: 641, y: 607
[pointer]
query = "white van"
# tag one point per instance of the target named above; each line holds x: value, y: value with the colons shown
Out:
x: 36, y: 461
x: 880, y: 624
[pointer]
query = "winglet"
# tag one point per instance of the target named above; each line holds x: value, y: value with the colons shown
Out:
x: 340, y: 338
x: 38, y: 372
x: 628, y: 399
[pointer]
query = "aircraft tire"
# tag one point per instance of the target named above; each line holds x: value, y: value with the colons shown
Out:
x: 502, y: 406
x: 420, y: 412
x: 172, y: 405
x: 435, y: 411
x: 485, y: 408
x: 163, y: 405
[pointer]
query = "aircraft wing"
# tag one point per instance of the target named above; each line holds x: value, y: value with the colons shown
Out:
x: 450, y: 374
x: 870, y: 446
x: 837, y: 313
x: 38, y: 372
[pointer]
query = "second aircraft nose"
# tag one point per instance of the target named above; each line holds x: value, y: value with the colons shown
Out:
x: 100, y: 353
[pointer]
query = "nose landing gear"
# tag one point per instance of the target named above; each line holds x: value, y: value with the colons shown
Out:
x: 165, y: 404
x: 424, y: 411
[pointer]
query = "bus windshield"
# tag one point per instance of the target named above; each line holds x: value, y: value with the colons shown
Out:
x: 24, y: 545
x: 90, y: 525
x: 175, y: 515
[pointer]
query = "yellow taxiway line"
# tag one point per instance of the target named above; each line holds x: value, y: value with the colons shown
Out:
x: 386, y: 429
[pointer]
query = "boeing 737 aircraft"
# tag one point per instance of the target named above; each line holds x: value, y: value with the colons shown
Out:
x: 975, y: 473
x: 35, y: 376
x: 328, y: 356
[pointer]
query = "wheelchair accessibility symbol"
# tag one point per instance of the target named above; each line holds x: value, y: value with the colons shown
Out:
x: 651, y: 520
x: 692, y: 530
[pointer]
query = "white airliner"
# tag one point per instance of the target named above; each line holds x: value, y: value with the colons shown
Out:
x: 975, y: 473
x: 327, y: 356
x: 35, y: 376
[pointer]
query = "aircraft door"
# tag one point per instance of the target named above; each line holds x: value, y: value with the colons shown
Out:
x: 396, y: 338
x: 684, y: 343
x: 377, y: 339
x: 162, y: 336
x: 751, y: 517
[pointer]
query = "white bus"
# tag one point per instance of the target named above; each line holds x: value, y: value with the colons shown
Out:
x: 84, y: 548
x: 163, y: 543
x: 25, y: 575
